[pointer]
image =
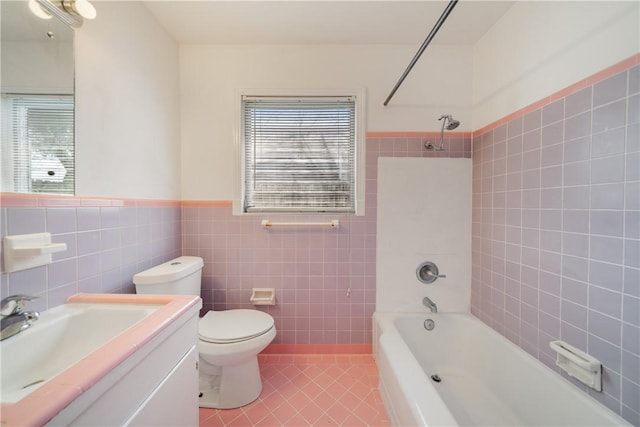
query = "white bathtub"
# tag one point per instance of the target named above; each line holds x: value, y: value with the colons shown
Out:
x: 485, y: 378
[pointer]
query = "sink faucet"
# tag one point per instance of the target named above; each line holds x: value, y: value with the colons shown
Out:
x: 14, y: 320
x: 430, y: 304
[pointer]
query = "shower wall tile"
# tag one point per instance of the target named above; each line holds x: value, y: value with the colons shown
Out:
x: 574, y: 240
x: 608, y: 143
x: 60, y: 221
x: 553, y: 112
x: 633, y: 110
x: 105, y: 247
x: 609, y: 116
x: 553, y: 133
x: 634, y: 79
x: 25, y: 221
x: 577, y: 150
x: 607, y: 196
x: 611, y: 89
x: 578, y: 102
x: 532, y: 121
x: 325, y: 280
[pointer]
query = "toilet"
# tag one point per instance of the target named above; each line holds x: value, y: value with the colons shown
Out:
x: 228, y: 341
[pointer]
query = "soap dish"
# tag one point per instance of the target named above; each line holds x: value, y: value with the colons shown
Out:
x: 263, y: 296
x: 578, y: 364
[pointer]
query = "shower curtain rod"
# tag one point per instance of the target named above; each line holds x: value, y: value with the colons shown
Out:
x: 426, y: 42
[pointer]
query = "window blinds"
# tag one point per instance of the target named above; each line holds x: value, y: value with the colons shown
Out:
x: 42, y: 148
x: 299, y: 154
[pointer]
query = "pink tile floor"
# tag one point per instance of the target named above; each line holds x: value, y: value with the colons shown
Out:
x: 310, y: 390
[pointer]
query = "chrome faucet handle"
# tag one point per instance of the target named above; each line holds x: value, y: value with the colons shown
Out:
x: 437, y: 276
x: 427, y: 272
x: 16, y: 323
x: 14, y: 304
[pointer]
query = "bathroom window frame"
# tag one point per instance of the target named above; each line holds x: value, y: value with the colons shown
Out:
x: 238, y: 203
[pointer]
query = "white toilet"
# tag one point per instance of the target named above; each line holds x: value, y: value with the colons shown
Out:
x: 229, y: 341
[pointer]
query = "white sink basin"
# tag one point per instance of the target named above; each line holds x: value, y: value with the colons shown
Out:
x: 61, y: 337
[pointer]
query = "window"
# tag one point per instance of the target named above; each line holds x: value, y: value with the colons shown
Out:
x: 299, y: 154
x: 38, y: 144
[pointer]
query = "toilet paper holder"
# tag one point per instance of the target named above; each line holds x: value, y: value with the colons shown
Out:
x: 263, y: 296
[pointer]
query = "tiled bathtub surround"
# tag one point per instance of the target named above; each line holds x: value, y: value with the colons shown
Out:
x: 556, y: 231
x: 106, y: 245
x: 325, y: 280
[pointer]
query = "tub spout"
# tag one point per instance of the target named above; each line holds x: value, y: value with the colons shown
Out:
x: 430, y: 304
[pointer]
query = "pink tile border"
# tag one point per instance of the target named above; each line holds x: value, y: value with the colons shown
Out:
x: 11, y: 200
x: 43, y: 404
x: 588, y: 81
x: 17, y: 200
x: 393, y: 134
x: 207, y: 203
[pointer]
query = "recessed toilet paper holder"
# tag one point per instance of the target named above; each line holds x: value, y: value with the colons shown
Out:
x: 427, y: 272
x: 263, y: 296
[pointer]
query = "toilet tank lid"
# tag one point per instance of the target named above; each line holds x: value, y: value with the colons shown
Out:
x: 175, y: 269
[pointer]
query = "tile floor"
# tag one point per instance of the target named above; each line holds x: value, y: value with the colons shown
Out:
x: 310, y: 390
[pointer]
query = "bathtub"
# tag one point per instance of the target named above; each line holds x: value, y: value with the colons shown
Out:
x: 484, y: 378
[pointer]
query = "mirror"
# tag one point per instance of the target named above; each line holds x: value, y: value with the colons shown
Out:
x: 37, y: 85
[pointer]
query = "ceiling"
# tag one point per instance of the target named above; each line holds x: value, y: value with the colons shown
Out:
x: 325, y: 21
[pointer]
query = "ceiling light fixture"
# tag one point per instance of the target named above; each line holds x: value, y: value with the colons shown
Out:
x: 80, y: 7
x: 37, y: 10
x: 71, y: 12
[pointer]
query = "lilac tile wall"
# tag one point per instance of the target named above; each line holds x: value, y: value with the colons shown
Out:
x: 105, y: 247
x: 556, y: 232
x: 324, y: 279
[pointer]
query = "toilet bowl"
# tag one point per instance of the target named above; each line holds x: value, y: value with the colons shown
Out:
x: 228, y: 341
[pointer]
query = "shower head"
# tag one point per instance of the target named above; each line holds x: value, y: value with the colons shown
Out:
x: 449, y: 122
x: 453, y: 123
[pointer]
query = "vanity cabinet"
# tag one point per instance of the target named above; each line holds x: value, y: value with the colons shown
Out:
x: 172, y: 402
x: 156, y: 386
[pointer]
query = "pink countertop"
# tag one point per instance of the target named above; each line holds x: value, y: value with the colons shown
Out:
x: 52, y: 397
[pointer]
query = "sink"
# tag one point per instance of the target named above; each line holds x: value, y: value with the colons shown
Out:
x: 75, y: 364
x: 60, y: 338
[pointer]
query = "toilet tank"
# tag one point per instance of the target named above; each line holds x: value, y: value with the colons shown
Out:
x: 178, y: 276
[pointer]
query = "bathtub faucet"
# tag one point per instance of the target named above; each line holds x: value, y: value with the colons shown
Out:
x: 430, y: 304
x: 14, y: 320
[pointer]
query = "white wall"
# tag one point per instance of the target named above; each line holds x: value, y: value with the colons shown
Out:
x: 424, y: 214
x: 210, y: 75
x: 127, y: 105
x: 540, y: 47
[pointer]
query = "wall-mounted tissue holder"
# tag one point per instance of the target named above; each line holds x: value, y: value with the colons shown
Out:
x: 578, y: 364
x: 263, y: 296
x: 29, y: 250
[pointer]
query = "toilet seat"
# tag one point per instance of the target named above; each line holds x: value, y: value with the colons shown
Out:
x: 231, y: 326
